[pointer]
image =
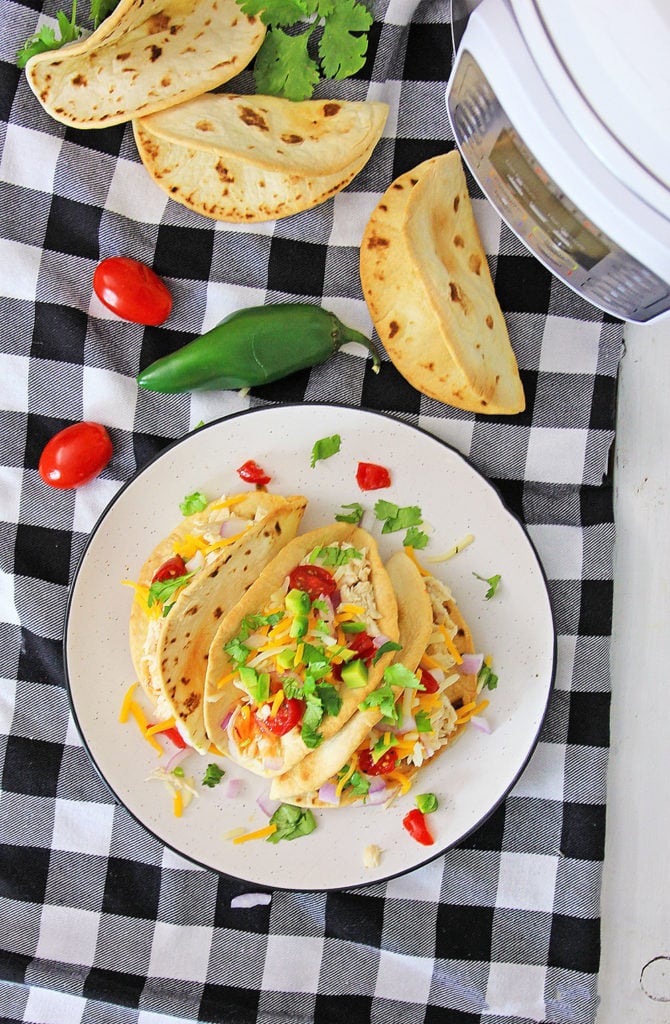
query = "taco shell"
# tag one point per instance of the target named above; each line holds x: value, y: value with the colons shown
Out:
x: 223, y: 698
x: 424, y: 604
x: 170, y: 653
x: 256, y: 158
x: 428, y: 287
x: 145, y: 56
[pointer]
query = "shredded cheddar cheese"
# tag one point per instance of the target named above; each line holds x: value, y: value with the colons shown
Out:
x: 261, y: 833
x: 410, y: 552
x: 453, y: 650
x: 178, y: 804
x: 343, y: 781
x: 124, y: 713
x: 169, y: 723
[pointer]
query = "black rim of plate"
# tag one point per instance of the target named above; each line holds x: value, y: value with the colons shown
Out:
x: 433, y: 855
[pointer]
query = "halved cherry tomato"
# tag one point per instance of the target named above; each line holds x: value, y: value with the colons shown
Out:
x: 170, y: 570
x: 75, y: 455
x: 415, y: 823
x: 428, y: 682
x: 383, y: 766
x: 289, y: 714
x: 371, y: 477
x: 313, y: 579
x: 132, y: 290
x: 252, y: 473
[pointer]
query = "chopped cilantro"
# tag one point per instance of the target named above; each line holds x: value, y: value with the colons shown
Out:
x: 100, y: 9
x: 389, y: 645
x: 426, y: 802
x: 213, y: 775
x: 354, y: 516
x: 311, y: 720
x: 292, y: 823
x: 333, y: 555
x: 195, y: 502
x: 327, y: 39
x: 397, y: 517
x: 357, y: 782
x: 329, y: 697
x: 384, y: 699
x: 161, y: 591
x: 324, y: 448
x: 400, y: 675
x: 493, y: 582
x: 415, y: 538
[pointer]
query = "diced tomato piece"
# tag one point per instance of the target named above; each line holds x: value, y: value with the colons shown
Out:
x: 289, y: 714
x: 415, y: 823
x: 170, y: 570
x: 313, y: 579
x: 428, y: 682
x: 371, y: 477
x: 175, y: 737
x: 383, y: 766
x: 252, y: 473
x: 364, y: 646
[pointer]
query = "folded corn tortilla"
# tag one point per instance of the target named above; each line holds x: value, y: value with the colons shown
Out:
x: 426, y: 609
x: 170, y: 651
x: 428, y: 287
x: 257, y: 158
x: 235, y: 721
x: 147, y: 55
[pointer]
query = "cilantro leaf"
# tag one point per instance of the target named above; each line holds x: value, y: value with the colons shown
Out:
x: 283, y: 66
x: 354, y: 516
x: 213, y: 775
x: 389, y: 645
x: 276, y: 12
x: 415, y: 538
x: 195, y: 502
x: 357, y: 782
x: 161, y: 591
x: 492, y: 581
x: 324, y: 448
x: 329, y: 697
x: 46, y: 38
x: 100, y: 9
x: 343, y: 53
x: 422, y: 719
x: 292, y: 823
x: 384, y: 699
x: 487, y: 678
x: 400, y: 675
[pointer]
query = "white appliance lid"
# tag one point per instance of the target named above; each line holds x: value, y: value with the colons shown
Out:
x: 618, y: 56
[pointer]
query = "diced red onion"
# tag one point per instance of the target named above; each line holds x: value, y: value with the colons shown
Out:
x: 377, y: 796
x: 408, y: 724
x: 232, y: 526
x: 266, y: 805
x: 379, y: 640
x: 328, y: 793
x: 273, y: 764
x: 376, y: 783
x: 231, y: 788
x: 250, y: 899
x: 480, y: 722
x: 196, y: 562
x: 226, y: 719
x: 177, y: 758
x: 471, y: 664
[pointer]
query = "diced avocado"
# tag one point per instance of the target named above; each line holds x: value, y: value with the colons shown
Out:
x: 299, y: 627
x: 355, y: 674
x: 297, y: 602
x: 286, y: 659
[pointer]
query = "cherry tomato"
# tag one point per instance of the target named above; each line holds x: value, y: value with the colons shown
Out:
x: 75, y: 455
x: 132, y: 290
x: 170, y: 570
x: 313, y: 579
x: 252, y: 473
x: 371, y: 477
x: 415, y: 823
x: 289, y: 714
x: 428, y: 682
x: 383, y: 766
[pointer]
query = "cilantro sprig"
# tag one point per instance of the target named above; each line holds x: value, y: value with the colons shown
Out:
x: 307, y: 41
x: 292, y: 823
x: 402, y: 517
x: 493, y: 582
x: 69, y: 31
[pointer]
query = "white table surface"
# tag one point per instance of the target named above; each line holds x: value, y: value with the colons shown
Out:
x: 635, y: 964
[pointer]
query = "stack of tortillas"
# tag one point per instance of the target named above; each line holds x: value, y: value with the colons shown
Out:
x: 428, y: 287
x: 232, y: 158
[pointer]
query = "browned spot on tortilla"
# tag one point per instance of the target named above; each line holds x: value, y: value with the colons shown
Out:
x: 204, y: 125
x: 123, y: 56
x: 292, y: 140
x: 456, y: 295
x: 394, y: 327
x: 457, y: 203
x: 193, y: 610
x: 489, y: 322
x: 223, y: 173
x: 218, y: 612
x: 330, y: 109
x: 458, y: 241
x: 154, y: 52
x: 192, y: 701
x: 398, y: 186
x: 376, y: 242
x: 475, y: 263
x: 251, y: 117
x: 79, y: 80
x: 158, y: 22
x: 165, y: 82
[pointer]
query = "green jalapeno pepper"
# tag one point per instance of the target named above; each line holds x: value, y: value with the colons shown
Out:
x: 254, y: 346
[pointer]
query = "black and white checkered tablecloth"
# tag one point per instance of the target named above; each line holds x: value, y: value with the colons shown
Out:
x: 98, y: 922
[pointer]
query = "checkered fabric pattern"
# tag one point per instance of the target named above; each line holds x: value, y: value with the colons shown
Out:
x: 100, y: 923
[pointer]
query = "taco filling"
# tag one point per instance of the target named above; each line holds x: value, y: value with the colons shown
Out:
x: 297, y: 665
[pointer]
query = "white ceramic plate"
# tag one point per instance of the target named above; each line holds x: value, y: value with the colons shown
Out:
x: 515, y: 627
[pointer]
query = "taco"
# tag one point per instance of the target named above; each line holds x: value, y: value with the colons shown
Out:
x: 380, y: 750
x: 428, y: 287
x: 291, y: 663
x: 188, y: 584
x: 257, y: 158
x: 147, y: 55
